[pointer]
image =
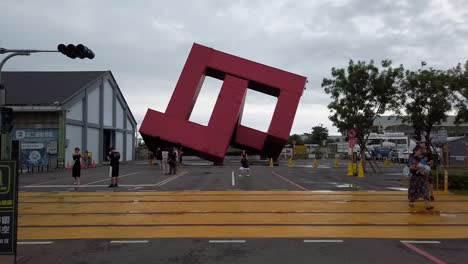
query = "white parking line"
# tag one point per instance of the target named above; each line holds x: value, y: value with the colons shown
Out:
x: 324, y: 241
x: 227, y: 241
x: 233, y: 179
x: 420, y: 241
x: 86, y: 186
x: 161, y: 183
x: 107, y: 179
x: 128, y: 241
x: 35, y: 242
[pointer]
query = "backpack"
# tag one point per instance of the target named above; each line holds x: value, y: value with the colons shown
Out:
x: 116, y: 155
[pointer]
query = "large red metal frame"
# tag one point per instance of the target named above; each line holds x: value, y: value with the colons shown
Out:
x: 211, y: 142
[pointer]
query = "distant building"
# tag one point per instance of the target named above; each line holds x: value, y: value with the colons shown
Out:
x: 393, y: 124
x: 54, y: 112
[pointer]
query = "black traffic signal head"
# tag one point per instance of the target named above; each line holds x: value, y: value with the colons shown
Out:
x: 7, y: 119
x: 79, y: 51
x: 84, y: 52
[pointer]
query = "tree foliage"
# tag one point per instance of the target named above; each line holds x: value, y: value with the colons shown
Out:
x: 297, y: 138
x: 319, y: 135
x: 360, y: 93
x: 427, y: 100
x: 458, y: 84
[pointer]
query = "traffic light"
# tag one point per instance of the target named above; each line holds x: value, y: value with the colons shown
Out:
x: 79, y: 51
x: 7, y: 119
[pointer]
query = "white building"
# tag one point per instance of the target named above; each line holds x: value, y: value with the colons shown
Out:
x: 54, y: 112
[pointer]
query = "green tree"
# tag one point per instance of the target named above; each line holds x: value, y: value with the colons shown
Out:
x: 319, y: 135
x: 427, y: 100
x: 360, y: 93
x: 296, y: 137
x: 458, y: 83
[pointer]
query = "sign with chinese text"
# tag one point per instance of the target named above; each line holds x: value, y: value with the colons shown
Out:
x: 36, y: 145
x: 8, y: 207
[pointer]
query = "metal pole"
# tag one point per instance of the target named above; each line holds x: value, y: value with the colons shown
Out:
x: 2, y: 88
x: 5, y: 140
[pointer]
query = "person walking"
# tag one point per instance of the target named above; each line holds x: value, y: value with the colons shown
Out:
x: 165, y: 157
x: 172, y: 160
x: 181, y: 152
x: 159, y: 157
x: 244, y: 169
x: 418, y: 187
x: 76, y: 169
x: 114, y: 157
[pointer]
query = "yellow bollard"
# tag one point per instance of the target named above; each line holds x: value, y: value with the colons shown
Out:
x: 337, y: 163
x: 290, y: 165
x: 271, y: 163
x: 445, y: 181
x: 350, y: 169
x: 386, y: 163
x: 361, y: 169
x: 315, y: 164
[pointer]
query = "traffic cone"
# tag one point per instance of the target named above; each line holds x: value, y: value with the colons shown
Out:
x: 361, y: 169
x: 315, y: 164
x: 337, y: 163
x: 290, y: 165
x: 271, y: 163
x: 350, y: 169
x: 94, y: 164
x: 68, y: 166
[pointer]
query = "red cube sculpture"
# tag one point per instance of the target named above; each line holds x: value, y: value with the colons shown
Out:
x: 211, y: 142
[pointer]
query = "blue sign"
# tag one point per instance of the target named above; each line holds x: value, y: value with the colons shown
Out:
x: 8, y: 207
x: 36, y: 145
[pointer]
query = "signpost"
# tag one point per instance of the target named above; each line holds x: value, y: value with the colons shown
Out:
x: 8, y: 208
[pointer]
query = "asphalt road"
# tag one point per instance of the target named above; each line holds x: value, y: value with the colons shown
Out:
x: 203, y: 215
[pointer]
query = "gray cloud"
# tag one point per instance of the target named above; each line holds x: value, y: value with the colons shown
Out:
x: 145, y: 43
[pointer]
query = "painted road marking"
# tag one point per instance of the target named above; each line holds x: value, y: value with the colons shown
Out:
x: 293, y: 183
x: 424, y: 253
x: 227, y: 241
x: 86, y: 186
x: 324, y: 241
x: 107, y: 178
x: 397, y: 189
x: 60, y: 179
x: 161, y: 183
x: 420, y: 241
x: 128, y: 241
x: 233, y: 179
x: 35, y: 242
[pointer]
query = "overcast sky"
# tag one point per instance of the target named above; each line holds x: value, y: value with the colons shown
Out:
x: 145, y: 43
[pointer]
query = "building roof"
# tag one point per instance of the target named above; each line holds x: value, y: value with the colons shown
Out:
x: 45, y: 88
x: 388, y: 121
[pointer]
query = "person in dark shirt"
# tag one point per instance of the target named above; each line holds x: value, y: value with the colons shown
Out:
x: 172, y: 161
x: 76, y: 170
x: 244, y: 165
x: 114, y: 157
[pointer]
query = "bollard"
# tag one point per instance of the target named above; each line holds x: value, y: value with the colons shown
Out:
x: 386, y: 163
x: 445, y: 181
x: 290, y: 165
x: 361, y: 169
x: 350, y: 169
x: 337, y: 163
x: 271, y: 163
x: 315, y: 163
